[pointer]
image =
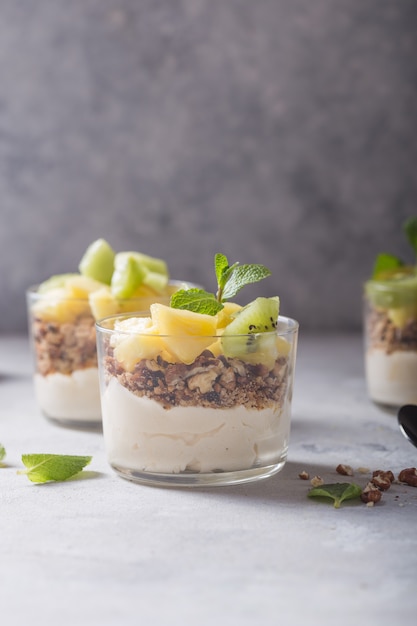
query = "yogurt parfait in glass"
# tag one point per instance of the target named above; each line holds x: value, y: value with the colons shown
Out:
x: 390, y: 327
x: 62, y: 312
x: 195, y: 398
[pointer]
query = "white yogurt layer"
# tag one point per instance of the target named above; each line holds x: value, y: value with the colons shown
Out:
x: 143, y: 436
x: 392, y: 378
x: 70, y: 397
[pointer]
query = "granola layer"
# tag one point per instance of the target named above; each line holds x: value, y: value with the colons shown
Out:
x: 212, y: 382
x: 63, y: 348
x: 384, y: 335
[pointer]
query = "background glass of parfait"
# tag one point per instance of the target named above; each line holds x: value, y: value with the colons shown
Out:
x: 390, y: 334
x: 62, y: 336
x: 195, y: 409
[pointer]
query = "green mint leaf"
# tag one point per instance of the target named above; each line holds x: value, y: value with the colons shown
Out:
x: 385, y: 264
x: 410, y: 229
x: 221, y: 264
x: 242, y: 275
x: 2, y: 453
x: 338, y: 492
x: 196, y: 300
x: 43, y: 468
x: 230, y: 279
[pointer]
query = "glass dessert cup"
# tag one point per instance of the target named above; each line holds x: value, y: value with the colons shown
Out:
x: 390, y: 338
x: 213, y: 420
x: 62, y: 336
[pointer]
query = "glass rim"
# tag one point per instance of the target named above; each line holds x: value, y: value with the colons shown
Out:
x: 32, y: 292
x: 289, y: 327
x: 409, y: 283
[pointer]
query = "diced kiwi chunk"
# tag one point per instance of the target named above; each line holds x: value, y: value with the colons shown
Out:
x: 152, y: 264
x: 127, y: 275
x: 258, y: 316
x: 98, y: 261
x: 157, y: 282
x: 245, y: 336
x: 132, y: 269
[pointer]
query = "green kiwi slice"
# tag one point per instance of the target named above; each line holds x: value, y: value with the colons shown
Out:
x: 98, y: 261
x: 127, y: 275
x: 245, y: 335
x: 132, y: 269
x: 150, y: 263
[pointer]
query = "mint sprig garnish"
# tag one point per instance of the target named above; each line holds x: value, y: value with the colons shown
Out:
x: 230, y: 280
x: 43, y: 468
x: 196, y: 300
x: 338, y: 492
x: 386, y: 264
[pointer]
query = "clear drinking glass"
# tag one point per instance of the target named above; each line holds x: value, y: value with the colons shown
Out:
x: 390, y: 333
x: 62, y: 335
x: 212, y: 420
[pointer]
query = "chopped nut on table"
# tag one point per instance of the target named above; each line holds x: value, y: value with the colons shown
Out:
x: 345, y: 470
x: 371, y: 493
x: 408, y: 476
x: 382, y: 479
x: 317, y: 481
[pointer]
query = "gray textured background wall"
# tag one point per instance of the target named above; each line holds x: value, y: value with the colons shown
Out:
x: 276, y: 131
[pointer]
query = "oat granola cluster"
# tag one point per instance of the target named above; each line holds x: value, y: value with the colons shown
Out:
x: 211, y: 382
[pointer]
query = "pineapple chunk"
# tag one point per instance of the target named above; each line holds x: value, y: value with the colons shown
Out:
x: 227, y: 314
x: 81, y: 286
x: 185, y: 334
x: 66, y: 301
x: 138, y: 339
x: 102, y: 303
x: 401, y: 316
x: 216, y: 348
x: 283, y: 346
x: 57, y: 307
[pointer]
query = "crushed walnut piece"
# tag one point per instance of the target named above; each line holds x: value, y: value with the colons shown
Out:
x: 317, y: 481
x: 344, y: 470
x: 408, y: 476
x: 382, y: 479
x: 371, y: 493
x: 304, y: 475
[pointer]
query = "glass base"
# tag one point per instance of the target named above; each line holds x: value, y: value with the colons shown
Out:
x: 192, y: 479
x: 95, y: 425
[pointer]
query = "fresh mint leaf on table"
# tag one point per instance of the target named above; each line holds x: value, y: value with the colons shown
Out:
x: 230, y: 280
x: 338, y: 492
x: 43, y: 468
